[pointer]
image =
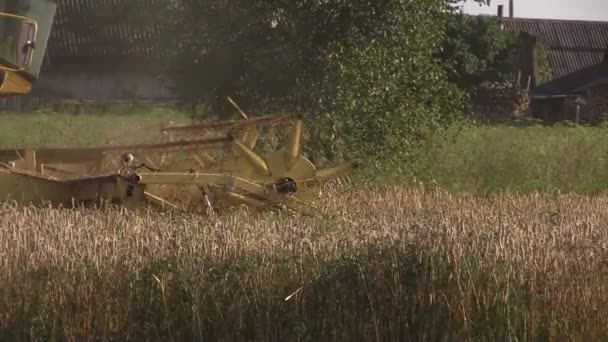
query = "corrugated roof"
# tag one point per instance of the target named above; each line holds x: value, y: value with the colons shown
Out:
x: 74, y: 35
x: 574, y: 44
x: 574, y: 83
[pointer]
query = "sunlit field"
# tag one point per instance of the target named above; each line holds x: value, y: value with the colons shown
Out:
x: 502, y: 236
x: 391, y: 264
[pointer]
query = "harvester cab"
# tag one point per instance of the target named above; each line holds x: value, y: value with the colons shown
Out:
x: 25, y: 26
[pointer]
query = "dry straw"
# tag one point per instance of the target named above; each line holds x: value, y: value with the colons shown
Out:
x: 390, y: 264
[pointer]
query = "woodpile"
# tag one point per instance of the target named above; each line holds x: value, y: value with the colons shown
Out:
x: 501, y: 101
x: 598, y: 103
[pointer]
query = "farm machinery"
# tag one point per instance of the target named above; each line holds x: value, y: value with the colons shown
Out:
x: 220, y: 160
x: 25, y: 27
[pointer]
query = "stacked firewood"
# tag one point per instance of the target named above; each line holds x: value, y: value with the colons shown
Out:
x: 501, y: 101
x: 598, y: 103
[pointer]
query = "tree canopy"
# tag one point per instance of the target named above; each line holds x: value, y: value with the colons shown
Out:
x: 374, y: 77
x: 476, y: 49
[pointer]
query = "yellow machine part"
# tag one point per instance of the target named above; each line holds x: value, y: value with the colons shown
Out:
x: 13, y: 83
x: 242, y: 174
x: 31, y: 188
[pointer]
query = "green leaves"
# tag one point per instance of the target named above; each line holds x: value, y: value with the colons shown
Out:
x: 475, y: 49
x: 389, y: 93
x: 367, y: 72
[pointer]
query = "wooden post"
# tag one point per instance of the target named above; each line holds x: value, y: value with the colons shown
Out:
x: 519, y: 78
x: 29, y: 161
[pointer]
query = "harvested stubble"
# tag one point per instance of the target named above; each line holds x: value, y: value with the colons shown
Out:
x: 403, y: 265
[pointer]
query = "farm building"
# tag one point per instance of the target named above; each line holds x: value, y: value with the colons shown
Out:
x: 92, y: 65
x: 579, y: 96
x: 577, y: 57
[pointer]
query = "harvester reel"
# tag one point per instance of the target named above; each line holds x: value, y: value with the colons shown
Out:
x: 237, y: 175
x: 271, y: 169
x: 286, y: 171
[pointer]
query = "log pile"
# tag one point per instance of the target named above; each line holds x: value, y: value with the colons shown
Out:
x: 501, y: 101
x: 598, y: 103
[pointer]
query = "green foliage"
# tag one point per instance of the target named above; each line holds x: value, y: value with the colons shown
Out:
x: 365, y: 72
x: 49, y: 129
x: 376, y: 78
x: 382, y: 92
x: 476, y: 49
x: 545, y: 73
x: 247, y: 50
x: 482, y: 160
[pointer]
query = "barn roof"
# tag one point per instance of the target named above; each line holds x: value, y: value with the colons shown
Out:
x: 93, y: 28
x: 575, y: 83
x: 573, y: 44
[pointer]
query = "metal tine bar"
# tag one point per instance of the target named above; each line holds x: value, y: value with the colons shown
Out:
x: 229, y: 123
x: 176, y: 144
x: 192, y: 144
x: 161, y: 201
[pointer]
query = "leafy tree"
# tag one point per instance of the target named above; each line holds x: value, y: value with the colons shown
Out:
x: 375, y: 77
x: 476, y: 49
x: 383, y: 92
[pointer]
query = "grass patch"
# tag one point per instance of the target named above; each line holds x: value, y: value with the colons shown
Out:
x: 48, y: 129
x: 486, y: 159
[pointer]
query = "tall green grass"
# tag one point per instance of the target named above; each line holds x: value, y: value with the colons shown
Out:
x: 485, y: 159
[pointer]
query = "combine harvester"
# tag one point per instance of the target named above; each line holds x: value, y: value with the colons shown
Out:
x: 25, y: 26
x: 125, y: 175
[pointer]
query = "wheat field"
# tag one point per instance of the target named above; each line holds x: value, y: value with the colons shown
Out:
x: 386, y: 264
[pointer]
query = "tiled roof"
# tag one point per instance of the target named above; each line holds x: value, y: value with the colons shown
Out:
x: 574, y: 45
x: 73, y: 35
